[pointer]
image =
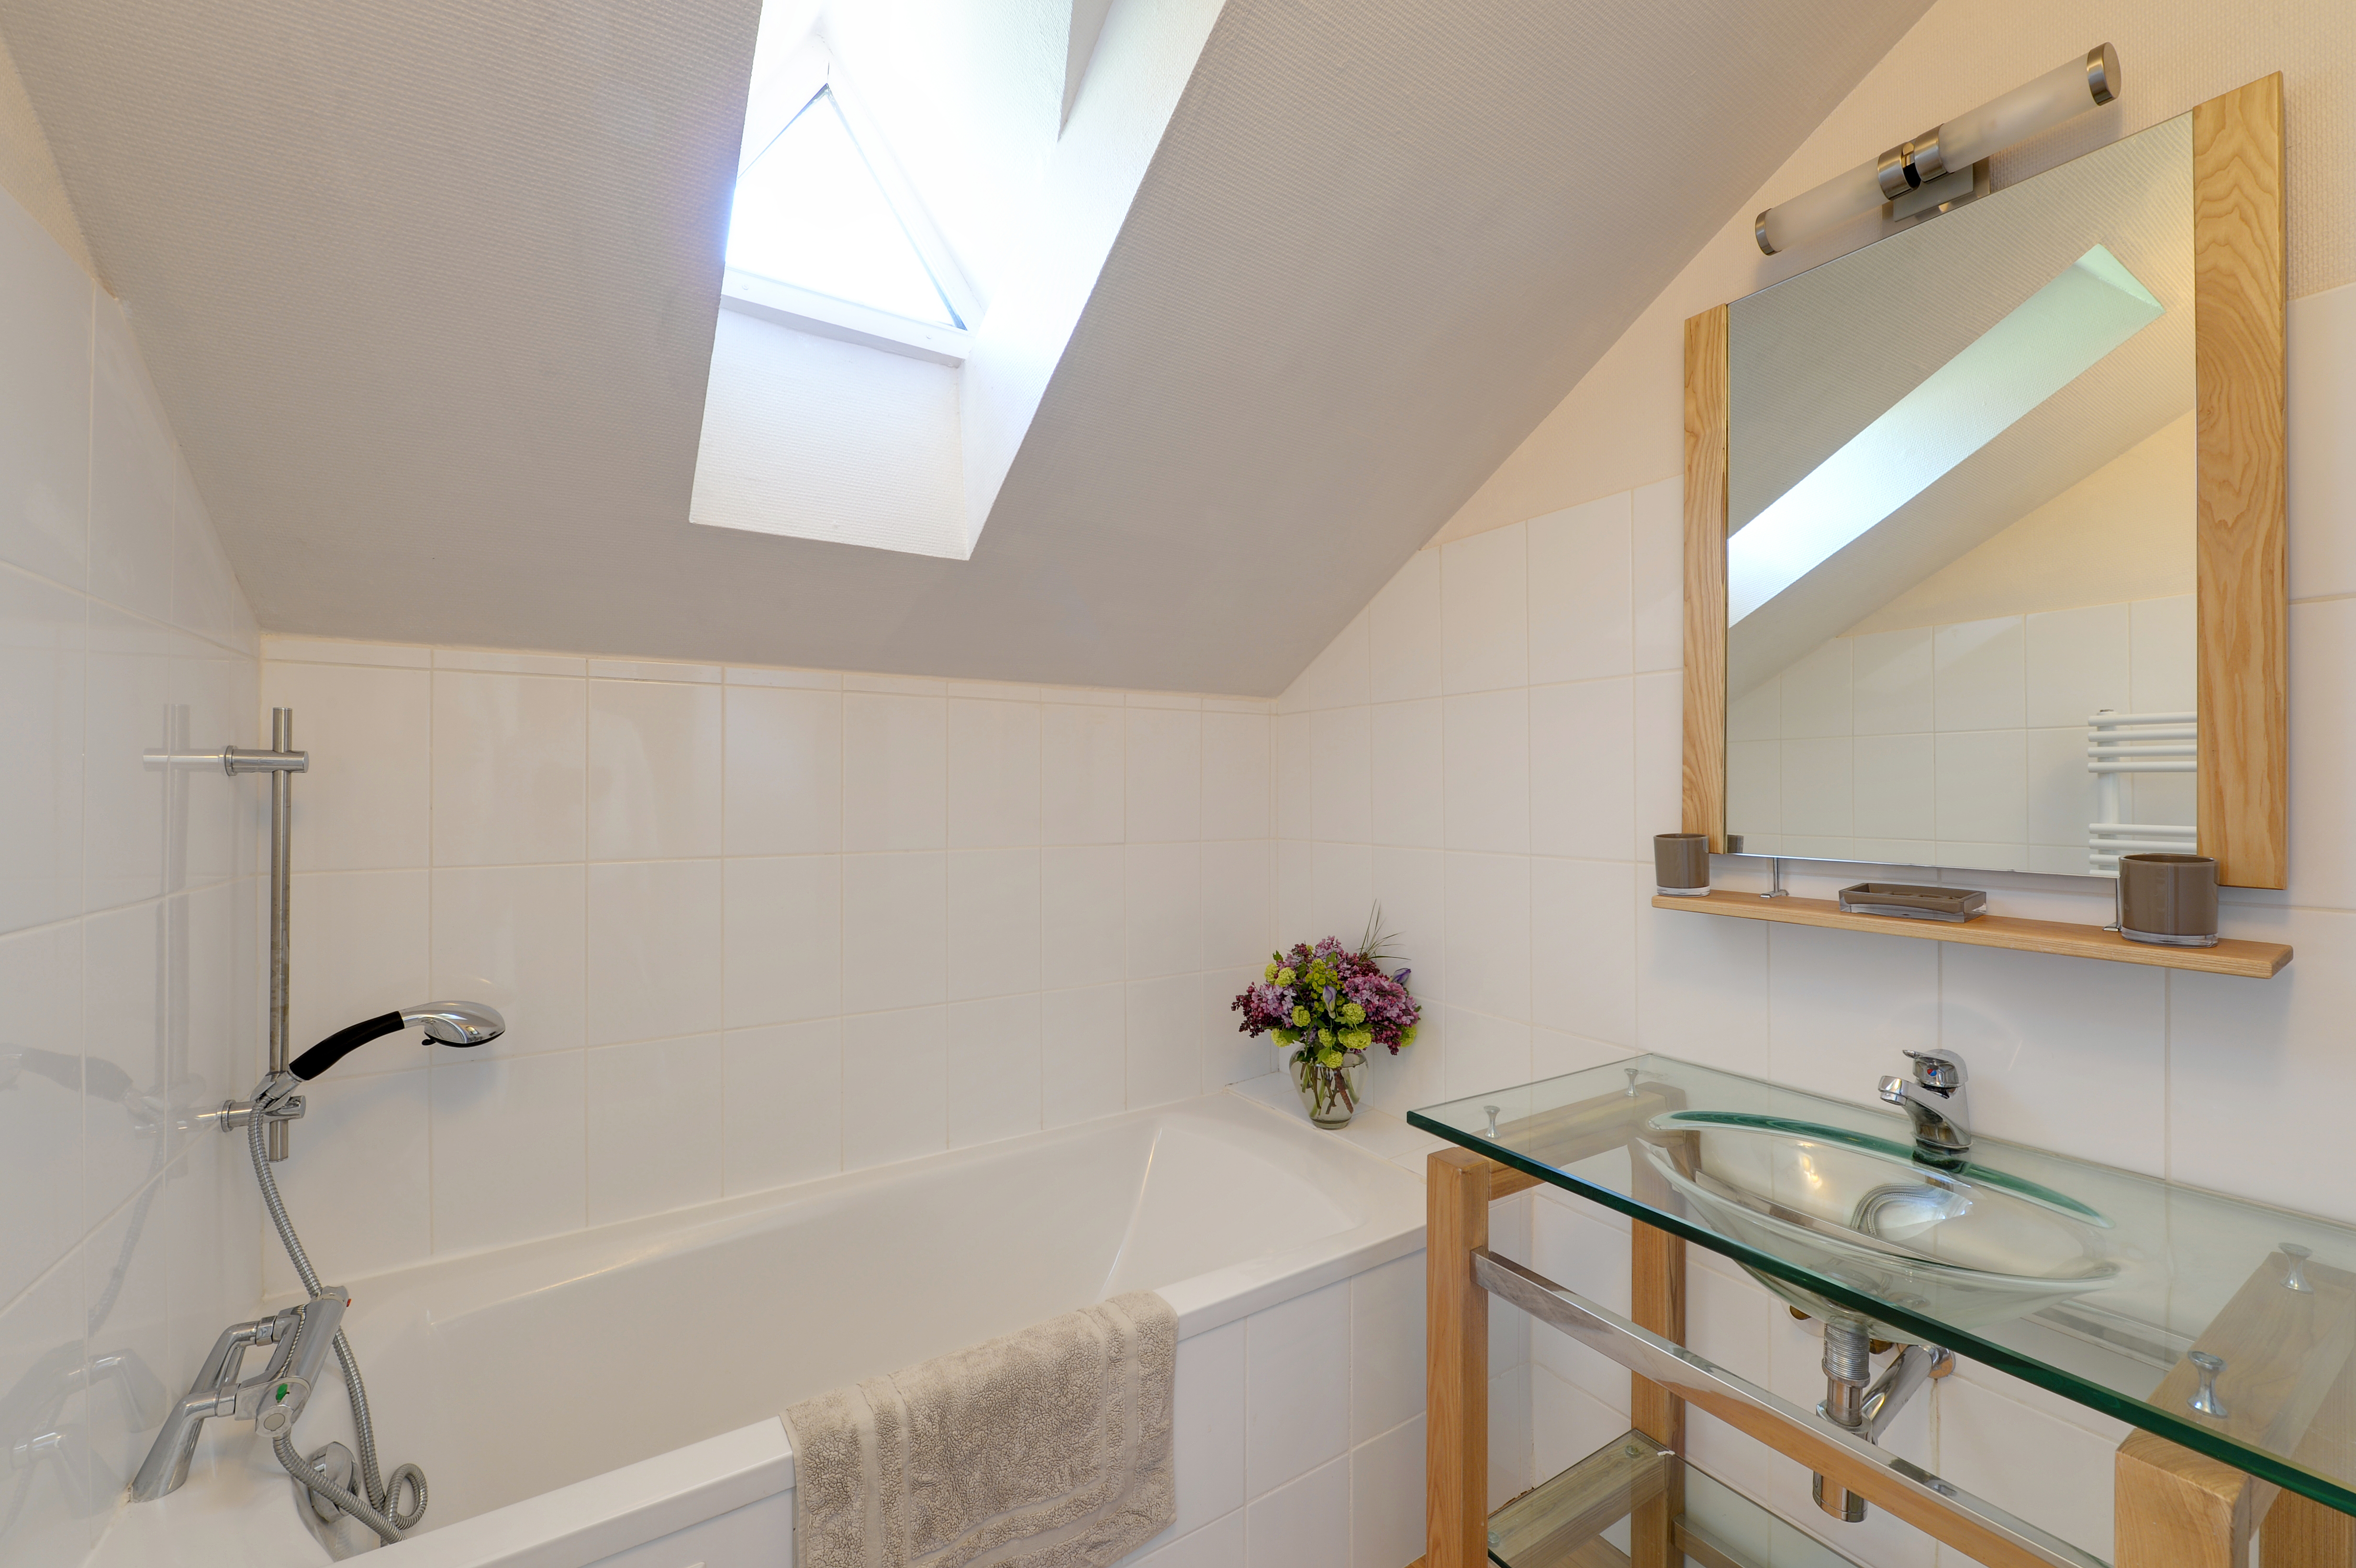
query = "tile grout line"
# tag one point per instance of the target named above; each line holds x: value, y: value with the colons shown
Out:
x: 584, y: 1049
x: 841, y: 925
x: 720, y: 831
x: 81, y: 989
x: 433, y: 879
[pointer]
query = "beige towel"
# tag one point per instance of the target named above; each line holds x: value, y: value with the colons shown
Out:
x: 1049, y: 1448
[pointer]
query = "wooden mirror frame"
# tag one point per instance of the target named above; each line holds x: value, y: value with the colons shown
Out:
x: 2239, y: 289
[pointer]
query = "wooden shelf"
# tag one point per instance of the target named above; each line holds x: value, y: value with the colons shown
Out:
x: 2251, y: 960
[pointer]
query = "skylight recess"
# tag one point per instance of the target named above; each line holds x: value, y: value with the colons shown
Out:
x: 810, y: 212
x: 2047, y: 341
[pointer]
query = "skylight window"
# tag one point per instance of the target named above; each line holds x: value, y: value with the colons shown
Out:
x: 810, y: 212
x: 2047, y: 342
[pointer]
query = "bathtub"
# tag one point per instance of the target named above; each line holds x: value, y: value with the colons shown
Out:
x: 611, y: 1396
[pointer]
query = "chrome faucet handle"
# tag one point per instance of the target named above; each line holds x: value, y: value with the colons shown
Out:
x: 1939, y: 1069
x: 2294, y: 1268
x: 273, y: 1401
x: 2206, y: 1401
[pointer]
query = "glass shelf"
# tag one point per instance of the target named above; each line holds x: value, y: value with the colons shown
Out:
x: 1561, y: 1522
x: 2089, y: 1281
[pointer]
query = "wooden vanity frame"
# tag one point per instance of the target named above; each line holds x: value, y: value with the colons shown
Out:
x: 2291, y: 1357
x: 2240, y: 290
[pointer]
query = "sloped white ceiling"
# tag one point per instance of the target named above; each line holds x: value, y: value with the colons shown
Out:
x: 429, y: 290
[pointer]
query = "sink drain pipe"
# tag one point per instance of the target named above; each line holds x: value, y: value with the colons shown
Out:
x: 1848, y: 1367
x: 1866, y: 1410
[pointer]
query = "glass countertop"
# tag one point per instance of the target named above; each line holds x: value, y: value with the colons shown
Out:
x: 2093, y: 1282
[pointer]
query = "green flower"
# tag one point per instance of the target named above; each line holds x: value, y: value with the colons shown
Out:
x: 1285, y: 1036
x: 1300, y: 1017
x: 1328, y: 1059
x: 1352, y: 1013
x: 1407, y: 1035
x: 1268, y: 973
x: 1357, y: 1039
x: 1284, y: 976
x: 1326, y: 1037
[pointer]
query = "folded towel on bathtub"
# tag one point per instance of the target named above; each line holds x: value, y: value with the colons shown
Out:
x: 1048, y: 1448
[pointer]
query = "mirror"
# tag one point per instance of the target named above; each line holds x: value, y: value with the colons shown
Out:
x: 1961, y: 499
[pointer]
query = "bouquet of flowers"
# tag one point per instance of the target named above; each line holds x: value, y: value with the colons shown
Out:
x: 1332, y: 1006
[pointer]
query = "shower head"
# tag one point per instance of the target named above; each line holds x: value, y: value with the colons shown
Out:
x: 456, y: 1023
x: 451, y: 1023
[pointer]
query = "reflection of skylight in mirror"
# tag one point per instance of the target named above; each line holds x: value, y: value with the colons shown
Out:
x: 809, y: 212
x: 2050, y: 340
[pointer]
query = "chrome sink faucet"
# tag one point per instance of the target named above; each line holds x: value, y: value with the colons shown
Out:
x: 1936, y: 1100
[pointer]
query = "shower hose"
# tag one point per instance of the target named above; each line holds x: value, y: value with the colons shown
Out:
x: 381, y: 1509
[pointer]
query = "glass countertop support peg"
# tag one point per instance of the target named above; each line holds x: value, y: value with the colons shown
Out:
x: 1493, y: 1121
x: 2294, y: 1268
x: 2206, y: 1401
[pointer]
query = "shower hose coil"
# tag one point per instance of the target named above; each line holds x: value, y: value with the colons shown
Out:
x: 380, y: 1509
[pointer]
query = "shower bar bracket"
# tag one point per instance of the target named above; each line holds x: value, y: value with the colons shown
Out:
x: 282, y: 762
x: 232, y: 1115
x: 246, y: 760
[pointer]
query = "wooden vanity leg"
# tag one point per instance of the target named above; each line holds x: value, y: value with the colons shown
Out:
x: 1658, y: 1302
x: 2302, y: 1534
x: 1456, y: 1361
x: 2177, y: 1508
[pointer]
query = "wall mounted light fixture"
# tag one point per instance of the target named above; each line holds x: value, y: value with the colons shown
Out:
x: 1945, y: 151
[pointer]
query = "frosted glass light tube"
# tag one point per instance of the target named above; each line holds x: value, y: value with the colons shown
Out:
x: 2031, y: 108
x: 2034, y: 107
x: 1812, y: 212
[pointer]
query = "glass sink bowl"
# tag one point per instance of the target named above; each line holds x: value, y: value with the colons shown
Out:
x: 1971, y: 1247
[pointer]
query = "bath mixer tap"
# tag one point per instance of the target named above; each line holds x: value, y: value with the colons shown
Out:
x: 1938, y: 1104
x: 300, y: 1338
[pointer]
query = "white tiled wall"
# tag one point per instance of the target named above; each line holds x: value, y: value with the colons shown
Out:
x: 1958, y: 745
x: 1504, y: 717
x: 127, y: 898
x: 748, y: 926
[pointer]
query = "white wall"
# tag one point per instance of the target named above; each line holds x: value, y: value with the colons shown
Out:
x: 1962, y: 744
x: 749, y: 926
x: 127, y: 902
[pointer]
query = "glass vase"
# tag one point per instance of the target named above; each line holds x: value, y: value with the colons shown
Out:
x: 1331, y: 1096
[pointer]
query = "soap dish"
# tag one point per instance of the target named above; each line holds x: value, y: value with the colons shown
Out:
x: 1910, y: 900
